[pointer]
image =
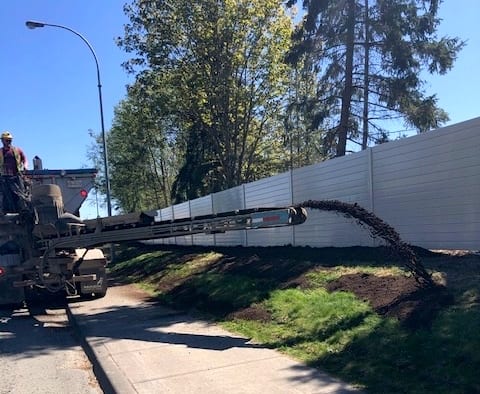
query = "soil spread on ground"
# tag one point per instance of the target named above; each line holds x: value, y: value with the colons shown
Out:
x: 402, y: 297
x: 399, y: 297
x: 415, y: 300
x: 378, y: 228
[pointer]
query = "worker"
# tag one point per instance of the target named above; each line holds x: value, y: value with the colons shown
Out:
x: 13, y: 162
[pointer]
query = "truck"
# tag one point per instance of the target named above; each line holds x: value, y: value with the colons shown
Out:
x: 54, y: 251
x: 56, y: 197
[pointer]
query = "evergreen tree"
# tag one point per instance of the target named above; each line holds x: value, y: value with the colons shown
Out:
x: 304, y: 136
x: 370, y: 55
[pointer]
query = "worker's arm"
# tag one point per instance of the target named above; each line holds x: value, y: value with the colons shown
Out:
x: 23, y: 159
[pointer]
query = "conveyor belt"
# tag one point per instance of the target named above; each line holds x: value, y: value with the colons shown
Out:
x: 144, y: 226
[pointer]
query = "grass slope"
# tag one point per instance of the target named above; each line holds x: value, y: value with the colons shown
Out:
x: 285, y: 298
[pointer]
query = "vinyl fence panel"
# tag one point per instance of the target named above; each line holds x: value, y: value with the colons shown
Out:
x: 426, y: 186
x: 199, y: 207
x: 346, y: 179
x: 182, y: 211
x: 225, y: 201
x: 274, y: 191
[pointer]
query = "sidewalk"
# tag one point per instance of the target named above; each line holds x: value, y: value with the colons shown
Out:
x: 137, y: 346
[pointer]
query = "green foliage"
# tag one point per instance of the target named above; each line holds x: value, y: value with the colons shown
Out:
x: 141, y: 148
x: 223, y: 62
x: 370, y: 55
x: 304, y: 136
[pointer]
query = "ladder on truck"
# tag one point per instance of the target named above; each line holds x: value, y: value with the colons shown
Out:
x: 147, y: 226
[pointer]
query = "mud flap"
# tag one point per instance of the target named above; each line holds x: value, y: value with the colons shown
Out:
x: 97, y: 286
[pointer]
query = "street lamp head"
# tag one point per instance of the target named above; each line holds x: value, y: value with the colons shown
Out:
x: 34, y: 25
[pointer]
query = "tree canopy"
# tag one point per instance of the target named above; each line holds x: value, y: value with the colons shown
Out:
x: 230, y: 91
x: 223, y: 61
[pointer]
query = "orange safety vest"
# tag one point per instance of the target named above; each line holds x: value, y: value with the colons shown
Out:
x: 18, y: 160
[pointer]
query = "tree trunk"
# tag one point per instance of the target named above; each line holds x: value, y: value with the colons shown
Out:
x: 348, y: 88
x: 366, y: 79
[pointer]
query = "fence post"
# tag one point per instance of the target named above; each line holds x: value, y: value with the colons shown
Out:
x: 213, y: 211
x: 291, y: 203
x: 190, y: 216
x: 245, y: 232
x: 370, y: 179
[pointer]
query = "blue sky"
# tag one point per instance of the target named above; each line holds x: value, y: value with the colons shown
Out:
x: 49, y: 96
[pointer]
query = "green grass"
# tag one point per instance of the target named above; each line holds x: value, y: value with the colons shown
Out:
x: 335, y: 331
x: 307, y: 319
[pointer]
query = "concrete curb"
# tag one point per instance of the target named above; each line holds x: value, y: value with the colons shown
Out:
x: 109, y: 376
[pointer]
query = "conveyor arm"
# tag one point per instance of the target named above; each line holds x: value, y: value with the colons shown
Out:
x: 111, y: 229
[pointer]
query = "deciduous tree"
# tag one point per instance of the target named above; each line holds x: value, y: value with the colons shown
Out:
x: 224, y: 63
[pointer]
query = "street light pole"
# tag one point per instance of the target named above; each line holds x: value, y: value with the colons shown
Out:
x: 34, y: 25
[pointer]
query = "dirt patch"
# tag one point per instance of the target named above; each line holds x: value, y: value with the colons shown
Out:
x: 414, y: 304
x: 255, y: 312
x: 399, y: 297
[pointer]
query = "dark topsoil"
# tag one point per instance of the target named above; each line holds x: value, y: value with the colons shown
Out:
x: 397, y: 296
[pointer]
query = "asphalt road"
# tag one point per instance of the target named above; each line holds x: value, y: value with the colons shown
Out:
x: 39, y: 353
